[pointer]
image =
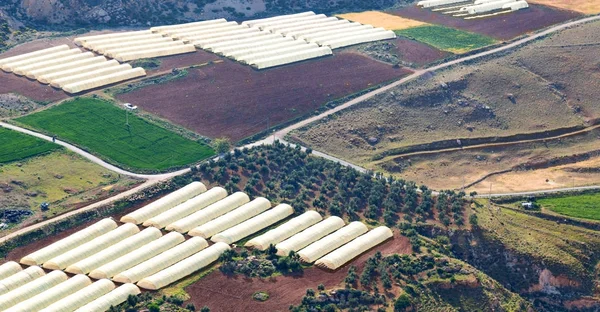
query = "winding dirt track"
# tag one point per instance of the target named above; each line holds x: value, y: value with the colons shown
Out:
x: 281, y: 134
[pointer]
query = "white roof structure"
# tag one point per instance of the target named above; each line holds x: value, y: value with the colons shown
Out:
x: 342, y: 24
x: 485, y: 7
x: 92, y: 247
x: 184, y: 267
x: 167, y: 28
x: 276, y: 52
x: 77, y: 56
x: 241, y: 48
x: 268, y: 25
x: 165, y: 203
x: 104, y: 70
x: 162, y: 261
x: 126, y: 246
x: 325, y: 245
x: 251, y: 23
x: 232, y: 218
x: 81, y: 297
x: 76, y: 70
x: 309, y: 235
x: 131, y: 259
x: 187, y: 208
x: 293, y: 57
x: 113, y: 298
x: 25, y: 56
x: 80, y: 40
x: 209, y: 213
x: 514, y: 6
x: 285, y: 230
x: 32, y: 288
x: 155, y: 52
x: 301, y: 24
x: 14, y: 66
x: 20, y: 278
x: 52, y: 295
x: 434, y: 3
x: 199, y: 31
x: 320, y: 24
x: 243, y: 43
x: 115, y: 52
x: 37, y: 73
x: 8, y: 269
x: 357, y: 39
x: 93, y: 83
x: 359, y: 245
x: 97, y: 229
x: 110, y: 49
x: 253, y: 225
x: 268, y: 48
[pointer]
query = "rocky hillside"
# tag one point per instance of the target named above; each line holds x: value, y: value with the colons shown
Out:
x: 152, y: 12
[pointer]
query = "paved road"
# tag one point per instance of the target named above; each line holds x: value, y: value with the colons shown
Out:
x: 280, y: 135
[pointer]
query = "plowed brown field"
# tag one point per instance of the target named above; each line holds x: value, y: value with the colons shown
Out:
x: 235, y: 101
x: 223, y: 294
x: 416, y: 52
x: 503, y: 26
x: 11, y: 83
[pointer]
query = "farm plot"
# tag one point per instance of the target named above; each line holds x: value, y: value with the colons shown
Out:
x: 447, y: 39
x: 380, y: 19
x: 578, y: 206
x: 101, y: 127
x: 583, y: 6
x: 502, y: 27
x: 29, y: 89
x: 234, y: 101
x: 16, y: 146
x: 403, y: 51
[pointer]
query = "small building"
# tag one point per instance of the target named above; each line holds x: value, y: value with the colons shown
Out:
x: 527, y: 205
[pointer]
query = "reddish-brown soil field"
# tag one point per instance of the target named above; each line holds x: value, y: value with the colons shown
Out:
x: 223, y: 294
x: 235, y: 101
x: 418, y: 53
x: 503, y: 26
x: 11, y: 83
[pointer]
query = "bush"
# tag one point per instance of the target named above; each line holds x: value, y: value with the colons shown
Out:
x: 402, y: 303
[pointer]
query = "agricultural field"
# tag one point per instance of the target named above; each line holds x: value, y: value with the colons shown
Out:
x: 402, y: 51
x: 64, y: 180
x: 583, y: 6
x: 501, y: 27
x: 447, y: 39
x: 380, y: 19
x: 583, y: 206
x: 101, y: 127
x: 16, y: 146
x: 514, y: 95
x: 228, y: 99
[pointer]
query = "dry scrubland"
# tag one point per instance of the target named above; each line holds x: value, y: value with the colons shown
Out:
x: 380, y: 19
x: 529, y: 91
x: 583, y: 6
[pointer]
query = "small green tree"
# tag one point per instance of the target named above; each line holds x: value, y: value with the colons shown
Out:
x: 222, y: 145
x: 402, y: 303
x: 205, y: 309
x: 473, y: 220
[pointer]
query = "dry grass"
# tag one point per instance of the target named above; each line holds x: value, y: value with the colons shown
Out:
x: 380, y: 19
x: 583, y: 6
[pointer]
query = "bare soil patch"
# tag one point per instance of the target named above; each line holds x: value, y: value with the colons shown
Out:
x: 10, y: 83
x: 183, y: 61
x: 380, y: 19
x: 235, y: 101
x: 416, y: 52
x: 221, y: 293
x: 583, y: 6
x: 503, y: 26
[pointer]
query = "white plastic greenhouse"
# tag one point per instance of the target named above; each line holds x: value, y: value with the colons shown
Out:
x: 277, y: 29
x: 8, y: 269
x: 105, y: 70
x: 352, y: 40
x: 111, y: 299
x: 81, y: 297
x: 97, y: 229
x: 291, y: 57
x: 184, y: 267
x: 92, y: 247
x: 32, y: 288
x: 49, y: 78
x: 311, y: 234
x: 173, y: 50
x: 12, y: 66
x: 285, y: 230
x: 113, y: 52
x: 232, y: 218
x: 347, y: 25
x: 131, y: 259
x: 187, y: 208
x: 26, y: 70
x: 252, y: 58
x: 254, y: 225
x: 327, y: 244
x: 52, y: 295
x: 209, y: 213
x: 38, y: 73
x: 126, y: 246
x: 80, y: 40
x: 20, y: 278
x: 188, y: 25
x: 267, y: 47
x: 232, y: 50
x: 162, y: 261
x: 101, y: 81
x: 361, y: 244
x: 250, y: 23
x: 25, y: 56
x: 165, y: 203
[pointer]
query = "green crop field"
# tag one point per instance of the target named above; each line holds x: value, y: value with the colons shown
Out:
x: 17, y: 146
x: 101, y: 128
x: 446, y: 38
x: 585, y: 206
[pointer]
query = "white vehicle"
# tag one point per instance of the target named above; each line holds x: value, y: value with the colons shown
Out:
x: 130, y: 106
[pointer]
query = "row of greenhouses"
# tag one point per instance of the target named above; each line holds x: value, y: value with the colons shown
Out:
x: 473, y: 9
x: 72, y: 70
x: 31, y: 289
